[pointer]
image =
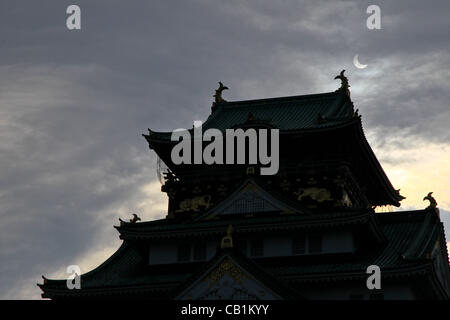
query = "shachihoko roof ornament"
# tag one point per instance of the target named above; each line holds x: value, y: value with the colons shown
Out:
x: 433, y: 202
x: 344, y: 82
x: 132, y: 220
x: 218, y: 96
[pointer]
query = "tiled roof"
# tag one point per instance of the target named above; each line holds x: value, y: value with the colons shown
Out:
x: 287, y: 113
x: 128, y: 271
x: 405, y: 232
x: 306, y: 112
x: 247, y: 265
x: 166, y: 228
x: 124, y: 270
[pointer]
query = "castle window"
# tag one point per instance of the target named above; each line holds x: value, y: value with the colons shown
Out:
x: 199, y: 252
x: 257, y: 248
x: 315, y: 244
x: 184, y: 252
x: 299, y: 245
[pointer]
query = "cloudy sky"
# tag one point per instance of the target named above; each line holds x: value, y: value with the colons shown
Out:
x: 73, y: 105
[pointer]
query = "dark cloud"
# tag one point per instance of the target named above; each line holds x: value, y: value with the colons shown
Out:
x: 74, y: 103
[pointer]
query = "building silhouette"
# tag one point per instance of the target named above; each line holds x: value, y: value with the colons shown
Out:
x: 308, y: 232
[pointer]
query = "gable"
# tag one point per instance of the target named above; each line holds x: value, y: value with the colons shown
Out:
x: 250, y: 198
x: 227, y: 280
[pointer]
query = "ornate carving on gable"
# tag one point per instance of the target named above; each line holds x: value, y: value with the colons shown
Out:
x: 195, y: 204
x: 227, y: 267
x: 316, y: 194
x: 226, y: 289
x: 345, y: 201
x: 248, y: 203
x: 227, y: 280
x: 249, y: 200
x: 319, y: 187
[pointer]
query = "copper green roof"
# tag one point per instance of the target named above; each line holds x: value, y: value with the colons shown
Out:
x: 286, y: 113
x: 167, y: 228
x: 305, y: 112
x: 123, y: 272
x: 405, y: 232
x: 127, y: 270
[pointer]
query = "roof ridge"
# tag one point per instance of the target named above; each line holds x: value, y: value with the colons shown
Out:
x: 228, y: 114
x: 404, y: 214
x: 124, y: 246
x: 281, y: 98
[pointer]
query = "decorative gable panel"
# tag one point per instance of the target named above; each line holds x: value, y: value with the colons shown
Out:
x: 227, y: 280
x: 248, y: 199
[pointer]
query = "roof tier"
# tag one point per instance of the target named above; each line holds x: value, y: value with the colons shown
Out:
x: 304, y: 112
x: 412, y: 233
x: 309, y: 123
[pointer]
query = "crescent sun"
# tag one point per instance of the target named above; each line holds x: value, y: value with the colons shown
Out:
x: 357, y: 64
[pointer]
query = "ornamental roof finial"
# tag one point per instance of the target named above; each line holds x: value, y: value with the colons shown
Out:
x: 344, y: 82
x: 132, y: 220
x: 227, y: 241
x: 433, y: 203
x: 218, y: 95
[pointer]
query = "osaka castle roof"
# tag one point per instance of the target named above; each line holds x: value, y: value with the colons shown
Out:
x: 230, y: 233
x: 408, y: 238
x: 324, y: 120
x: 304, y: 112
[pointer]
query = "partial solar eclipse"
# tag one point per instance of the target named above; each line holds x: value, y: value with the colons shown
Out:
x: 357, y: 64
